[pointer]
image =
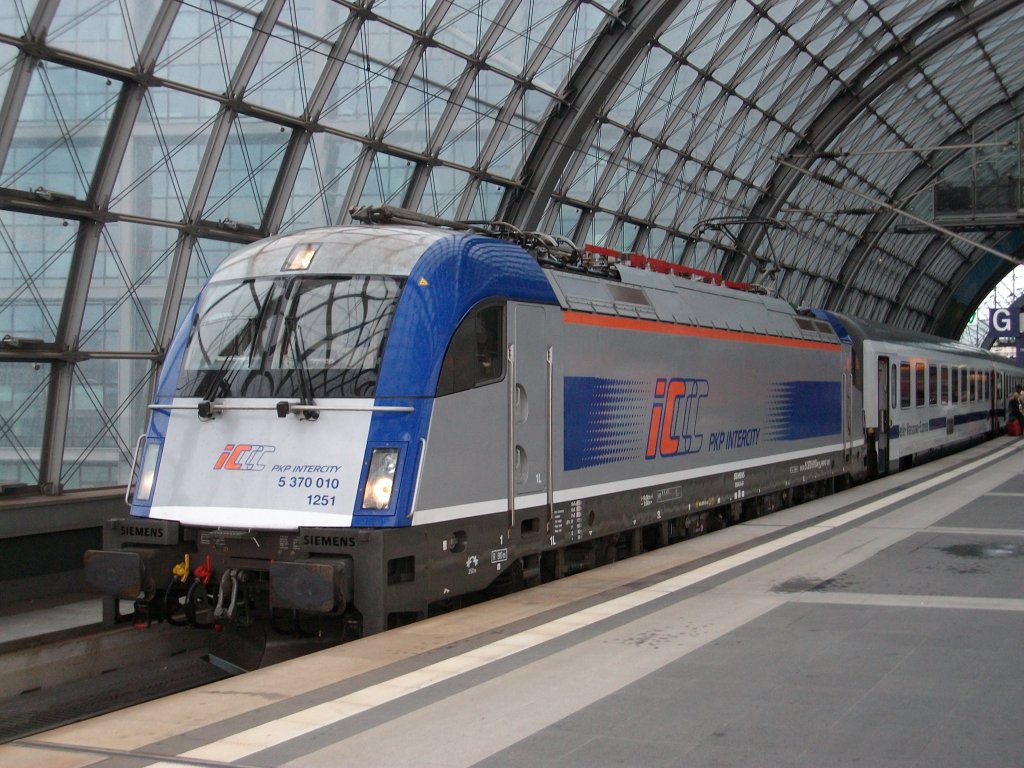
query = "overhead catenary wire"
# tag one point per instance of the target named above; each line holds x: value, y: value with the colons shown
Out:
x: 828, y: 180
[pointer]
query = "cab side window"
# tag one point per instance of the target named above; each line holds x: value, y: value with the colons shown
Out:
x: 475, y: 355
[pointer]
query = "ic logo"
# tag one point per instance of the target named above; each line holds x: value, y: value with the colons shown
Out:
x: 243, y: 456
x: 673, y: 430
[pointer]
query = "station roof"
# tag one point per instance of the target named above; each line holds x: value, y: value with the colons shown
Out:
x: 782, y: 142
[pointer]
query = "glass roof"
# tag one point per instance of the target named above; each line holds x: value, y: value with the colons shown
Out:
x: 774, y: 140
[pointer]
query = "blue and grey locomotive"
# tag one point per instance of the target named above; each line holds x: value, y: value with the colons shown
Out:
x: 359, y: 426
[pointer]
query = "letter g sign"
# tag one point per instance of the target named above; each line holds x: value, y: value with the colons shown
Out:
x: 1001, y: 320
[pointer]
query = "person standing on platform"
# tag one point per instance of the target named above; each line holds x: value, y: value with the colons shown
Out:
x: 1015, y: 413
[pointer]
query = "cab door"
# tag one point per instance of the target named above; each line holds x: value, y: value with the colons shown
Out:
x: 884, y: 416
x: 995, y: 397
x: 530, y: 357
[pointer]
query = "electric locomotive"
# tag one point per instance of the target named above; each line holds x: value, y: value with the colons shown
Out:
x: 360, y: 426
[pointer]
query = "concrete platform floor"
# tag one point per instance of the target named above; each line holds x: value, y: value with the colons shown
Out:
x: 882, y: 626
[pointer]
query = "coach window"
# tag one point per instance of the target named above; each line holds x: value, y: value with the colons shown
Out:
x: 963, y: 385
x: 955, y: 378
x: 973, y: 379
x: 904, y: 385
x: 919, y: 384
x: 933, y: 385
x: 944, y: 376
x: 474, y: 357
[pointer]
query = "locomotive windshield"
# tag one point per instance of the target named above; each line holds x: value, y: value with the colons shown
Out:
x: 289, y: 337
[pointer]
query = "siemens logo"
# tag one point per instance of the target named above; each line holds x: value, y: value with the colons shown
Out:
x: 142, y: 532
x: 332, y: 542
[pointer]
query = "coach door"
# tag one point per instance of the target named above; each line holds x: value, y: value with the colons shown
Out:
x: 882, y: 436
x: 846, y: 407
x: 994, y: 397
x: 529, y: 417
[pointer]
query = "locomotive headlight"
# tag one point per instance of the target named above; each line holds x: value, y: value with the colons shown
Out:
x: 380, y: 478
x: 147, y: 471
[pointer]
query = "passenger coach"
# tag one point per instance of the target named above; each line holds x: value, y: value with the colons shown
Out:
x: 928, y: 395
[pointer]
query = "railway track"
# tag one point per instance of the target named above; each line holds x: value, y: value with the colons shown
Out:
x: 71, y: 676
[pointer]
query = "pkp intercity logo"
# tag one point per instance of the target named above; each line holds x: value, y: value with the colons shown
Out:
x: 243, y: 456
x: 674, y: 418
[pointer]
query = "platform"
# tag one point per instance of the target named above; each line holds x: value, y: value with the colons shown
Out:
x: 881, y: 626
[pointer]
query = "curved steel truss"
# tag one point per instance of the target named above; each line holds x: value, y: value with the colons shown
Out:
x: 140, y: 142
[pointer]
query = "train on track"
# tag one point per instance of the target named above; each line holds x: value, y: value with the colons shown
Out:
x: 360, y: 426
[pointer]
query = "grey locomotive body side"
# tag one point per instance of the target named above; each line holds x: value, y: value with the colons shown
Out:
x: 619, y: 425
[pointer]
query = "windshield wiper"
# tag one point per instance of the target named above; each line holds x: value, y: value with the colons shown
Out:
x: 219, y: 383
x: 217, y: 386
x: 307, y: 408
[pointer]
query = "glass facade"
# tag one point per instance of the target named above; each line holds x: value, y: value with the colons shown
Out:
x: 141, y: 141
